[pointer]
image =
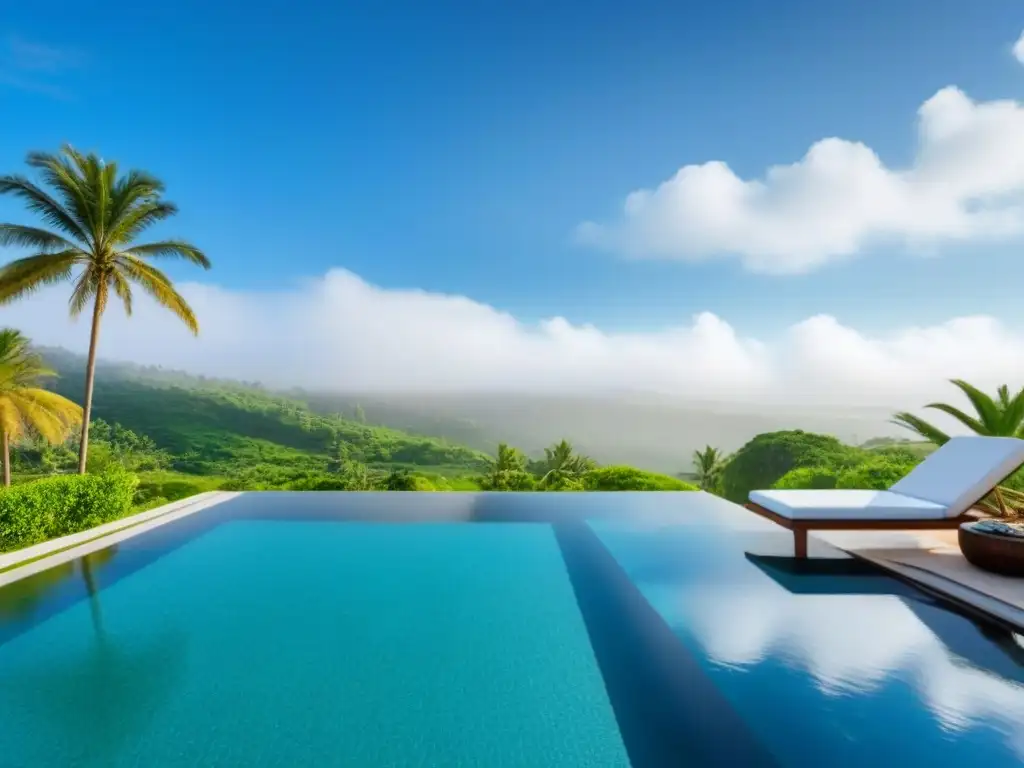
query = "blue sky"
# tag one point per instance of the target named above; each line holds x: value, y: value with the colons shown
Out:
x: 457, y: 147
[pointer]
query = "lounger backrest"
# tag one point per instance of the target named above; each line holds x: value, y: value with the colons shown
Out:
x: 963, y: 471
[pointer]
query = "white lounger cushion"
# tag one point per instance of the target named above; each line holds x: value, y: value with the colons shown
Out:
x: 946, y: 484
x: 841, y: 504
x: 963, y: 471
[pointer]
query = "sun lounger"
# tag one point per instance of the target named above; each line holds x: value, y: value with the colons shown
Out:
x: 938, y: 493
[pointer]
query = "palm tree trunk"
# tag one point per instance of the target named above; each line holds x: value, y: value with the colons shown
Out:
x: 90, y: 376
x: 7, y: 460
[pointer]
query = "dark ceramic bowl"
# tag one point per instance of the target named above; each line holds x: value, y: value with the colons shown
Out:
x: 991, y: 552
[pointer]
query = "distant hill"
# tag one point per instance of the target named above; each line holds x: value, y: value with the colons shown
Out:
x: 215, y: 426
x: 245, y: 421
x: 657, y: 434
x: 918, y: 448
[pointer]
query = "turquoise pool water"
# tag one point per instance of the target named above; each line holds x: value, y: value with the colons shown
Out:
x: 496, y: 630
x: 428, y: 644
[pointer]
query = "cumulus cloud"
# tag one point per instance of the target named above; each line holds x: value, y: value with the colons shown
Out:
x: 1018, y: 49
x: 339, y: 332
x: 966, y: 183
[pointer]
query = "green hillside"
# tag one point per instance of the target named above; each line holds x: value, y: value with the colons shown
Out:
x: 222, y: 428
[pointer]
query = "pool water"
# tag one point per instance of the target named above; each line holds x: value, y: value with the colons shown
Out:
x: 491, y: 630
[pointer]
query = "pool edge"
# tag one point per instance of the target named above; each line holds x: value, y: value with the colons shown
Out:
x: 29, y: 561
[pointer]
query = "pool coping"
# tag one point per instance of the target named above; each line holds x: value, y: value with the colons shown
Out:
x: 945, y: 587
x: 22, y: 563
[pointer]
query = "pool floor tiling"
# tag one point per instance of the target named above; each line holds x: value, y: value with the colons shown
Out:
x: 493, y: 630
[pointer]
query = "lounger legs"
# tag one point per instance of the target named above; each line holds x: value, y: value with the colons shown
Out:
x: 800, y: 543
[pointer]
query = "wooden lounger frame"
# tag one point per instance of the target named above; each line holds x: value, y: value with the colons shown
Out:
x: 801, y: 527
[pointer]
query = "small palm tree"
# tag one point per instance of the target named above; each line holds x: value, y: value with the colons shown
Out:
x: 92, y: 218
x: 999, y: 416
x: 24, y: 406
x: 509, y: 459
x: 561, y: 463
x: 709, y: 464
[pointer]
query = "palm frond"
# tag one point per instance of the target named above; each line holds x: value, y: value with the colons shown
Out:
x: 977, y: 427
x: 920, y: 426
x: 134, y: 199
x: 123, y: 290
x: 159, y: 286
x: 40, y: 202
x: 86, y: 287
x: 987, y: 409
x: 71, y: 186
x: 50, y: 417
x: 1004, y: 395
x: 1013, y: 416
x: 32, y: 237
x: 23, y: 276
x: 65, y: 409
x: 172, y: 248
x: 24, y: 406
x: 11, y: 423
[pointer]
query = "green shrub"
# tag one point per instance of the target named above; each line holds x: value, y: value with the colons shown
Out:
x: 315, y: 483
x: 623, y: 478
x: 508, y: 480
x: 806, y: 478
x: 875, y: 474
x: 171, y: 490
x: 764, y: 460
x: 56, y: 506
x: 563, y: 482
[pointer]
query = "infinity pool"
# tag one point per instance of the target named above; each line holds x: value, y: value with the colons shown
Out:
x: 333, y: 629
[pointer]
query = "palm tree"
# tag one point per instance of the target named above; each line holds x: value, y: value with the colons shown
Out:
x: 1001, y: 416
x: 92, y: 218
x: 509, y: 459
x: 24, y: 406
x: 709, y: 464
x: 561, y: 463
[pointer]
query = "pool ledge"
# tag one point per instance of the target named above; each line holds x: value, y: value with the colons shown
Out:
x: 938, y: 567
x: 39, y: 557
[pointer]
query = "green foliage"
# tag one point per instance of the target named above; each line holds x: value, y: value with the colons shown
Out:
x: 508, y: 472
x: 709, y: 464
x: 804, y: 478
x: 875, y: 474
x: 999, y: 416
x: 622, y: 478
x: 57, y: 506
x: 508, y: 480
x: 561, y: 482
x: 765, y: 459
x: 224, y: 429
x: 163, y: 487
x: 400, y: 480
x: 562, y: 468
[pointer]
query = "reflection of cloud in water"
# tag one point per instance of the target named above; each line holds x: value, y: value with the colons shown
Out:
x: 849, y: 644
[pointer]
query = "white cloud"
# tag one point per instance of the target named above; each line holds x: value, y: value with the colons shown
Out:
x: 340, y: 332
x: 1018, y: 49
x: 966, y: 183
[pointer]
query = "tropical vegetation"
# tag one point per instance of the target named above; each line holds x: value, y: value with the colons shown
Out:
x: 63, y: 504
x: 708, y: 464
x: 92, y: 217
x: 26, y: 409
x: 999, y: 416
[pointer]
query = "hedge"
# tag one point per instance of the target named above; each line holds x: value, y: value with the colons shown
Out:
x: 57, y: 506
